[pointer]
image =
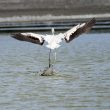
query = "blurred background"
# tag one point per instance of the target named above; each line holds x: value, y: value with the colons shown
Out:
x: 11, y: 8
x: 30, y: 12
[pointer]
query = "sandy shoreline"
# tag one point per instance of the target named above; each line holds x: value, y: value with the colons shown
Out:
x: 52, y: 10
x: 45, y: 18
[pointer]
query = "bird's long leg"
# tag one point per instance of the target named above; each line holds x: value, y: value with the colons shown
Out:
x: 55, y: 56
x: 49, y: 58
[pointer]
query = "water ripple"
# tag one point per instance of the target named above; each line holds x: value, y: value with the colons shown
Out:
x: 82, y: 81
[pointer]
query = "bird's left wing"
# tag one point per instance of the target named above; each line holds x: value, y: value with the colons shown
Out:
x: 29, y: 37
x: 78, y: 30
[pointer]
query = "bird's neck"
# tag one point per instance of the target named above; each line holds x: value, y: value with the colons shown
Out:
x: 53, y: 31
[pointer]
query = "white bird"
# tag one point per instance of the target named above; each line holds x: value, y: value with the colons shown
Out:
x: 53, y: 41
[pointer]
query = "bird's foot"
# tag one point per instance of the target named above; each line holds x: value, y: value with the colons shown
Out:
x: 48, y: 72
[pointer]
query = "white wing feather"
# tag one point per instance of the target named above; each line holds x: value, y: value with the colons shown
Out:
x: 72, y: 30
x: 33, y: 34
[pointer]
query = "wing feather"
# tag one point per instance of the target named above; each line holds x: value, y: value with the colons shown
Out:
x: 78, y: 30
x: 29, y: 37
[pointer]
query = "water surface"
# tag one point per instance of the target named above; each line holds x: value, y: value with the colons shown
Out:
x: 82, y: 81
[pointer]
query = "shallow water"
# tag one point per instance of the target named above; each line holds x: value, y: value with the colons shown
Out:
x: 82, y: 81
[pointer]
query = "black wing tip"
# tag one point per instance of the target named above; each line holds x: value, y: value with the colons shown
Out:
x: 15, y: 34
x: 93, y: 20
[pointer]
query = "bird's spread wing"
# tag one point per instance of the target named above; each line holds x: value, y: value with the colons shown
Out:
x: 78, y: 30
x: 29, y: 37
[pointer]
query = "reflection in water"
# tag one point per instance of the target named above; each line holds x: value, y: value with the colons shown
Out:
x: 82, y: 81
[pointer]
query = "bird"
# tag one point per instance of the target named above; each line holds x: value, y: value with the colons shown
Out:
x: 54, y: 40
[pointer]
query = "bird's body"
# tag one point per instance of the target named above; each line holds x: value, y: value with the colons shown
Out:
x: 53, y: 41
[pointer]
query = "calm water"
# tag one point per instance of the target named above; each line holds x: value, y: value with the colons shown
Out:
x: 82, y: 81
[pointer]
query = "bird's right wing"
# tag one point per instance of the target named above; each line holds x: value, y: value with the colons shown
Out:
x: 78, y: 30
x: 29, y: 37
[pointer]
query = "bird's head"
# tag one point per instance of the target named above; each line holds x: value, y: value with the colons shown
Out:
x: 53, y: 31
